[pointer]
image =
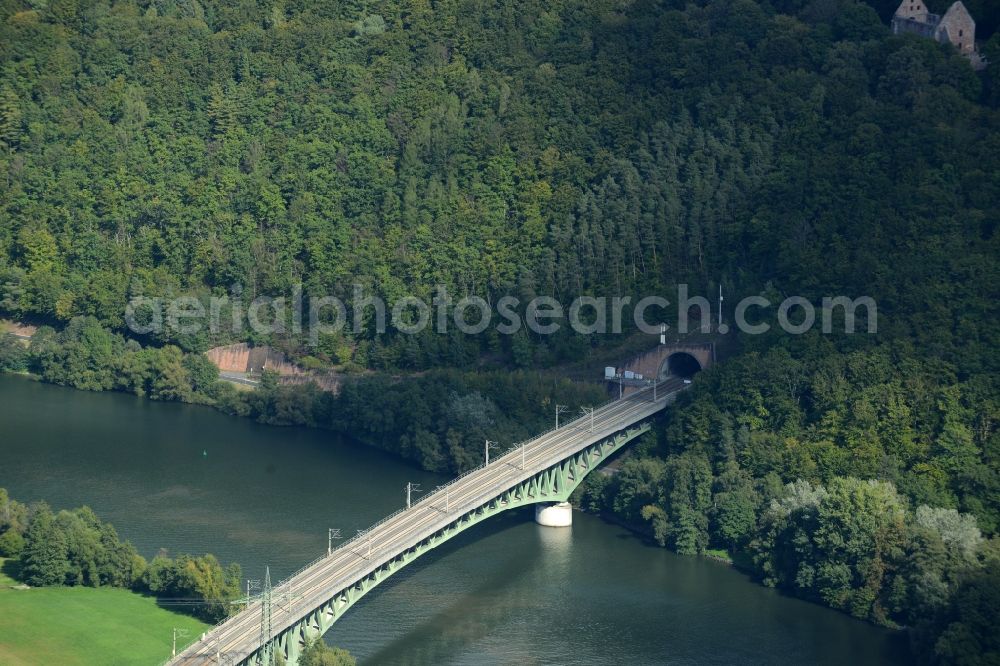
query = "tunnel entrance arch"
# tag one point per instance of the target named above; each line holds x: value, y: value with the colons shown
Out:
x: 677, y: 359
x: 680, y: 364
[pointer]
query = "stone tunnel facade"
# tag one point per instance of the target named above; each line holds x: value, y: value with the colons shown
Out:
x: 654, y: 363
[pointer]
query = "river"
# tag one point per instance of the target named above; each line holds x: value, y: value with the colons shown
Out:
x: 188, y: 479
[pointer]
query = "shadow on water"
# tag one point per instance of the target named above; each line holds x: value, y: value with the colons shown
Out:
x: 470, y: 617
x: 188, y: 479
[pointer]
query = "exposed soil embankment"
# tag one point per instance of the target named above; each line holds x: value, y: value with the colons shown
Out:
x: 17, y: 328
x: 252, y: 361
x: 244, y: 358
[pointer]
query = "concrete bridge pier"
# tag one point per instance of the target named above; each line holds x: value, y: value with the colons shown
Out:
x: 554, y: 515
x: 551, y: 469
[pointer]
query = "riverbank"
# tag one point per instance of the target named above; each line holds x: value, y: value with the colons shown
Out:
x: 266, y: 497
x: 74, y: 626
x: 685, y: 484
x: 645, y: 532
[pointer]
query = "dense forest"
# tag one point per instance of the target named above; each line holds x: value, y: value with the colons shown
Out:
x: 791, y: 147
x: 202, y: 149
x: 865, y: 480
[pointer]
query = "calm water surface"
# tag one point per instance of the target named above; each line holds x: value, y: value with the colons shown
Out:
x: 188, y: 479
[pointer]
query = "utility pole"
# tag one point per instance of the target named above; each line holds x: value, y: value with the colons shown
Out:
x: 523, y: 465
x: 410, y: 488
x: 559, y: 410
x: 265, y: 657
x: 488, y: 445
x: 331, y: 534
x: 620, y: 380
x: 251, y: 586
x: 589, y: 410
x: 177, y: 632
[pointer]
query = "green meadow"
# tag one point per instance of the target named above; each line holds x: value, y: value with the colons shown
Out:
x: 83, y: 625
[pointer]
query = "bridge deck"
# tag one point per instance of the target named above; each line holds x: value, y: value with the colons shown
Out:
x: 351, y: 562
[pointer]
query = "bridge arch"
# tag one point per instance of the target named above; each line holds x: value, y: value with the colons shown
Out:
x: 306, y: 605
x: 552, y: 485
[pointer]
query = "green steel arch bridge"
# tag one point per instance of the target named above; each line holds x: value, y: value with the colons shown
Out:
x: 546, y: 469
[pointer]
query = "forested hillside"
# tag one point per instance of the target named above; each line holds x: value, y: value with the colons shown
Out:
x: 562, y: 148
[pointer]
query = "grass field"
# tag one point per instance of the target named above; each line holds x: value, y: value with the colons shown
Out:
x: 80, y: 625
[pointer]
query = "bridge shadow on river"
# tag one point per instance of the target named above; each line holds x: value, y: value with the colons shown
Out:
x: 470, y: 618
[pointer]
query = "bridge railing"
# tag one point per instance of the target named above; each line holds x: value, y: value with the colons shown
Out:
x: 285, y: 585
x: 575, y: 423
x: 484, y: 465
x: 501, y: 460
x: 343, y: 546
x: 377, y: 550
x: 206, y: 634
x: 468, y: 504
x: 287, y: 580
x: 346, y: 545
x: 443, y: 489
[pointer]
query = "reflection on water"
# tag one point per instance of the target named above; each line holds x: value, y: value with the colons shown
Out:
x: 506, y: 591
x: 556, y: 542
